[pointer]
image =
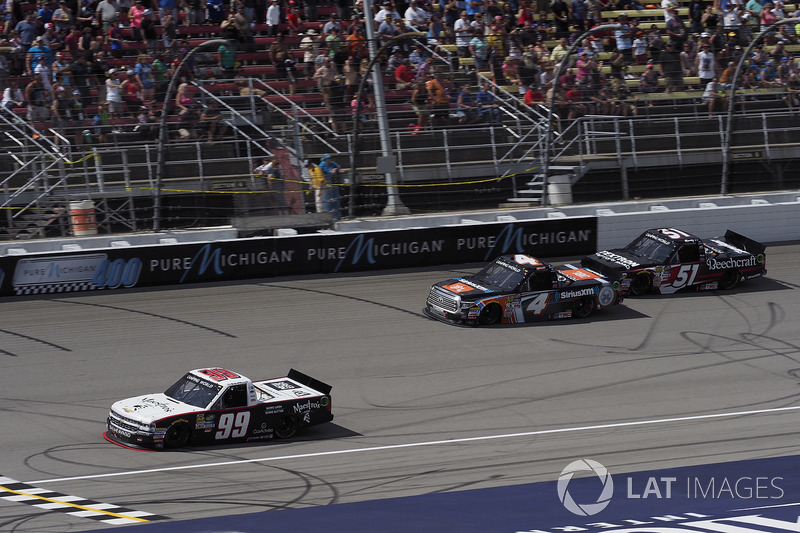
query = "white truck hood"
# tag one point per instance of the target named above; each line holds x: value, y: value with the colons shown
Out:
x: 151, y: 407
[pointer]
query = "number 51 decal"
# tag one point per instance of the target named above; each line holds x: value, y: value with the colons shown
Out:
x: 686, y: 275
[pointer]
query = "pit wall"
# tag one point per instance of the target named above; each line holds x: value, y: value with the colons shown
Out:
x: 118, y: 262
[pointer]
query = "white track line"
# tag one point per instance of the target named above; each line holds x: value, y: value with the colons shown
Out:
x: 429, y: 443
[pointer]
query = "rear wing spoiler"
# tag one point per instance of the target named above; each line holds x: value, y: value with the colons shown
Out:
x: 308, y: 381
x: 740, y: 241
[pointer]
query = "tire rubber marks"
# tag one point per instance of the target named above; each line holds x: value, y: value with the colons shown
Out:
x: 108, y: 513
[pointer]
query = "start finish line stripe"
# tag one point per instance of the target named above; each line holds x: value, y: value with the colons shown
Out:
x: 72, y: 505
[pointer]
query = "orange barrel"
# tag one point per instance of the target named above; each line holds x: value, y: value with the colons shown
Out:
x: 82, y: 217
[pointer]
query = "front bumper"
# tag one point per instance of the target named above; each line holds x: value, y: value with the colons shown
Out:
x: 123, y: 433
x: 454, y: 319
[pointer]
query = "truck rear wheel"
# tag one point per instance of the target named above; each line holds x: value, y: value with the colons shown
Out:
x: 287, y: 427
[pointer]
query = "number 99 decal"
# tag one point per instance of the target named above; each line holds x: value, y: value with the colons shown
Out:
x: 233, y: 427
x: 112, y: 274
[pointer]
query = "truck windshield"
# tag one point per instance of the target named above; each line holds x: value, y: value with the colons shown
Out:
x: 651, y: 249
x: 501, y: 275
x: 193, y: 391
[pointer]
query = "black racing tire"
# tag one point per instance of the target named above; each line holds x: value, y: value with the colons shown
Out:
x: 177, y: 435
x: 491, y: 314
x: 730, y: 279
x: 287, y: 427
x: 641, y: 284
x: 583, y: 307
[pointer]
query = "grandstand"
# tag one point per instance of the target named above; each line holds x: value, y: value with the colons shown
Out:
x: 642, y: 144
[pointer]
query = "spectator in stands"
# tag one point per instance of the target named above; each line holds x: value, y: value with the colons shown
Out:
x: 768, y: 77
x: 71, y: 42
x: 792, y: 98
x: 440, y: 101
x: 169, y: 34
x: 226, y: 61
x: 12, y: 97
x: 577, y: 14
x: 705, y: 65
x: 687, y: 60
x: 713, y: 95
x: 273, y: 18
x: 242, y: 22
x: 467, y: 106
x: 463, y: 33
x: 45, y: 12
x: 166, y: 7
x: 710, y: 19
x: 58, y: 104
x: 80, y: 71
x: 624, y: 37
x: 309, y: 45
x: 560, y: 11
x: 726, y: 79
x: 107, y: 13
x: 135, y: 17
x: 215, y: 12
x: 404, y: 75
x: 676, y: 29
x: 419, y: 103
x: 51, y: 38
x: 144, y: 77
x: 114, y: 94
x: 101, y: 122
x: 488, y: 108
x: 436, y: 30
x: 648, y: 81
x: 293, y: 20
x: 669, y: 62
x: 559, y: 51
x: 278, y: 51
x: 211, y: 121
x: 63, y: 18
x: 326, y: 75
x: 149, y: 33
x: 26, y: 29
x: 479, y: 49
x: 416, y: 16
x: 195, y: 11
x: 39, y: 59
x: 386, y: 30
x: 114, y: 38
x: 356, y: 43
x: 38, y: 100
x: 332, y: 24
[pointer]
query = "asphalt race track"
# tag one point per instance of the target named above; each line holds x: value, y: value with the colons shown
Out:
x: 453, y: 417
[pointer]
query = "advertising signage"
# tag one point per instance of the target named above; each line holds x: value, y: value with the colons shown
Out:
x: 114, y: 268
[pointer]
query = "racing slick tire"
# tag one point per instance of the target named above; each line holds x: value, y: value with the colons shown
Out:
x: 176, y: 436
x: 491, y: 314
x: 730, y: 279
x: 583, y: 307
x: 287, y: 427
x: 640, y: 285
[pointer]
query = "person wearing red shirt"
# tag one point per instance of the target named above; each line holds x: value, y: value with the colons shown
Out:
x: 404, y: 75
x: 574, y: 99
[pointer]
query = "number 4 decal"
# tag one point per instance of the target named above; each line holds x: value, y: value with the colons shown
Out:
x: 538, y: 304
x: 228, y: 427
x: 685, y: 276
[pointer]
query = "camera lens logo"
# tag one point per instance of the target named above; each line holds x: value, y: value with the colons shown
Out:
x: 585, y: 509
